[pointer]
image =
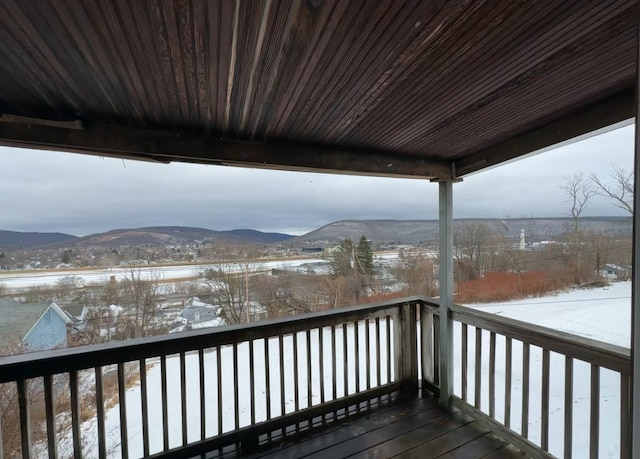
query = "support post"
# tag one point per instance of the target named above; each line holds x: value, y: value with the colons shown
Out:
x: 409, y: 343
x: 446, y: 291
x: 634, y: 422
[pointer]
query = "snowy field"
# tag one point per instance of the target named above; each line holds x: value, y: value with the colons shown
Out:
x: 16, y: 281
x: 602, y: 314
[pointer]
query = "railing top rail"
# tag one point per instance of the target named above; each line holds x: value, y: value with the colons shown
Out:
x: 25, y: 366
x: 606, y: 355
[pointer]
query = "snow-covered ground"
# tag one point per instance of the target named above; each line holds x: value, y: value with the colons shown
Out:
x: 15, y: 281
x: 601, y: 314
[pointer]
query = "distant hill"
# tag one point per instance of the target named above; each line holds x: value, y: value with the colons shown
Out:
x: 159, y: 235
x: 162, y: 235
x: 415, y: 231
x: 17, y: 239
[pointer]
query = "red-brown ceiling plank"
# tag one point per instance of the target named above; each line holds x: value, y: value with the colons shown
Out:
x: 457, y: 66
x: 544, y: 90
x: 225, y: 28
x: 588, y: 119
x: 526, y: 57
x: 380, y: 57
x: 312, y: 31
x: 273, y: 60
x: 451, y: 28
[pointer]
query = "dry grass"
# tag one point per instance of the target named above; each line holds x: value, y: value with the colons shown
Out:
x: 503, y: 286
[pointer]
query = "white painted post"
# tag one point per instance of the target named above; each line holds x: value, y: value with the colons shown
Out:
x: 634, y: 422
x: 446, y: 291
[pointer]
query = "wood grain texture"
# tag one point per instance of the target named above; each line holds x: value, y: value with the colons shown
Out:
x: 427, y: 80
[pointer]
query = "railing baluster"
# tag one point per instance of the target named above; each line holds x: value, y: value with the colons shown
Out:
x: 144, y: 406
x: 465, y: 352
x: 75, y: 414
x: 219, y: 383
x: 183, y: 396
x: 334, y: 365
x: 345, y: 370
x: 356, y: 346
x: 625, y: 415
x: 50, y: 415
x: 492, y: 374
x: 122, y: 399
x: 388, y: 326
x: 436, y: 350
x: 525, y: 390
x: 507, y: 381
x: 544, y: 427
x: 236, y: 401
x: 367, y: 351
x: 426, y: 340
x: 25, y: 417
x: 252, y: 384
x: 281, y: 352
x: 201, y: 388
x: 594, y: 424
x: 165, y: 405
x: 1, y: 442
x: 478, y: 370
x: 321, y: 363
x: 378, y: 352
x: 568, y: 407
x: 267, y: 375
x: 296, y: 388
x: 102, y: 449
x: 309, y: 392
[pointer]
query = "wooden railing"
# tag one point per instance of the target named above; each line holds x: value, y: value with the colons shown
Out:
x: 246, y: 385
x: 478, y: 387
x: 203, y: 390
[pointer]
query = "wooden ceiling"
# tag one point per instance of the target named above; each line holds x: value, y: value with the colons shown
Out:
x: 405, y: 88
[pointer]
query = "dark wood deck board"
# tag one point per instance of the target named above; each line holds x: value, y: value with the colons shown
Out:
x: 417, y: 429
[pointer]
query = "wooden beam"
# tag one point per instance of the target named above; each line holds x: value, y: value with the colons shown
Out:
x: 445, y: 215
x: 594, y: 119
x: 167, y: 146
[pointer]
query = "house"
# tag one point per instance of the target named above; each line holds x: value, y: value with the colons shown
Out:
x: 615, y: 272
x: 198, y: 314
x: 77, y: 313
x: 32, y: 327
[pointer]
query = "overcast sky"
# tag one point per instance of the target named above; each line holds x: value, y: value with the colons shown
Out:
x: 77, y: 194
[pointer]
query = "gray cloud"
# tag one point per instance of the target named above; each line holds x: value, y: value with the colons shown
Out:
x: 49, y: 191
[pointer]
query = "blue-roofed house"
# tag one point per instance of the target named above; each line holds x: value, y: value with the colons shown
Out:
x: 29, y: 327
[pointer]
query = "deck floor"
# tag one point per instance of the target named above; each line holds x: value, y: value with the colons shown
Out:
x: 416, y: 429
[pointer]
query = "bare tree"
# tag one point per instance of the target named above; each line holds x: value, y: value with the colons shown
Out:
x: 579, y: 191
x: 67, y: 287
x: 620, y: 190
x: 140, y: 297
x: 416, y: 271
x: 231, y: 286
x: 471, y: 241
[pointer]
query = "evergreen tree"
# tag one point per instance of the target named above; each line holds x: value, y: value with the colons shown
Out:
x: 348, y: 259
x: 364, y: 257
x: 342, y: 258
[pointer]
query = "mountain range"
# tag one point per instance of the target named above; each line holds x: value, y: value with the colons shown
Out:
x: 379, y: 231
x: 137, y: 236
x: 415, y: 231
